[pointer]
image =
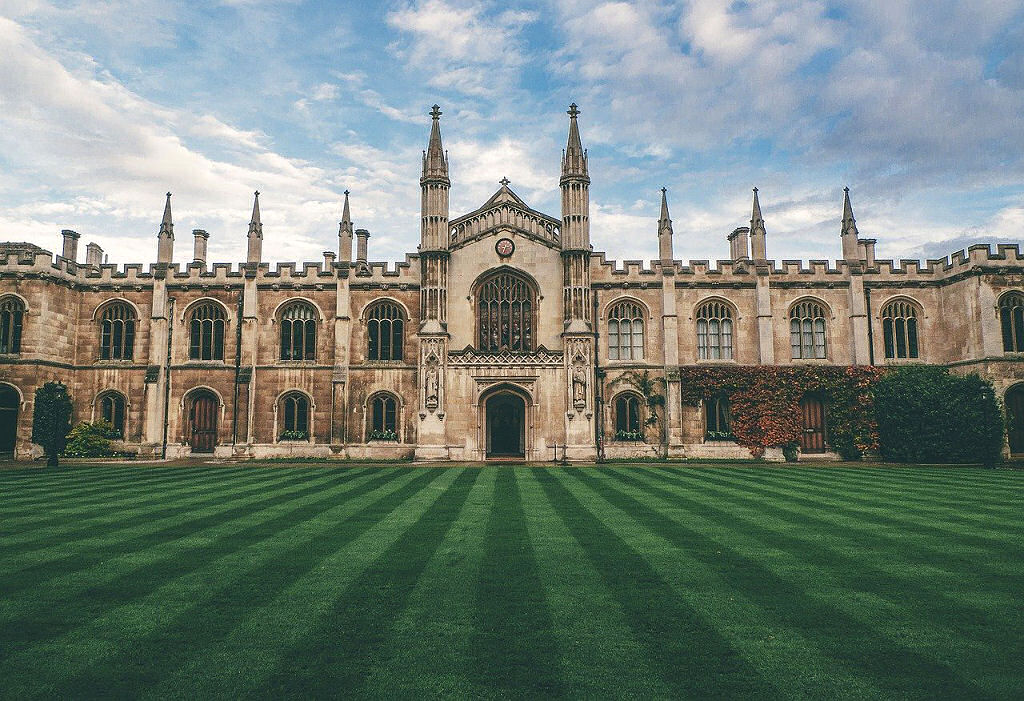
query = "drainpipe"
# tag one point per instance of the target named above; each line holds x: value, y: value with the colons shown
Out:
x: 238, y: 370
x: 871, y: 326
x: 167, y: 373
x: 598, y: 384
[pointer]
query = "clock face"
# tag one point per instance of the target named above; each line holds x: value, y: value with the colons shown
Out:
x: 504, y: 247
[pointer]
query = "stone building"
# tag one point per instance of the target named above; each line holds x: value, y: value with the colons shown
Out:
x: 502, y: 336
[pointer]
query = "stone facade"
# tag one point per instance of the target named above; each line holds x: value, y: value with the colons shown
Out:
x: 504, y: 335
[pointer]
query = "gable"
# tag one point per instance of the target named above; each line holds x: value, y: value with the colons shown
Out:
x: 504, y: 210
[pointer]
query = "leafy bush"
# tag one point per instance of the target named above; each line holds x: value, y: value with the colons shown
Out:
x: 51, y: 419
x: 926, y: 414
x: 293, y: 436
x: 384, y: 435
x: 629, y: 435
x: 90, y: 440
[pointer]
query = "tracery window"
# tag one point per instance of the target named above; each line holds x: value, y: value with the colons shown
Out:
x: 12, y: 313
x: 298, y: 331
x: 717, y: 419
x: 385, y: 327
x: 627, y: 418
x: 112, y: 410
x: 117, y: 332
x: 807, y: 329
x: 1011, y: 316
x: 626, y: 331
x: 899, y: 329
x: 505, y: 306
x: 295, y: 410
x: 206, y: 341
x: 383, y: 418
x: 714, y: 331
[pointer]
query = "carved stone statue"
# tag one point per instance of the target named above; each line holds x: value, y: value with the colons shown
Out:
x: 431, y: 386
x: 579, y: 384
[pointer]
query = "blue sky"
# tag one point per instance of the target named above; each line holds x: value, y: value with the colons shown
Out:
x: 106, y: 105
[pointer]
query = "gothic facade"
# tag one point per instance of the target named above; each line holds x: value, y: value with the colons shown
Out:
x: 504, y: 335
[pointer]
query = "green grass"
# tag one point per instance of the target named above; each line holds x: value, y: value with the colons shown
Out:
x: 638, y: 581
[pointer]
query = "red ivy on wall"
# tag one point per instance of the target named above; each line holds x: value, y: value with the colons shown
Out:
x: 765, y: 402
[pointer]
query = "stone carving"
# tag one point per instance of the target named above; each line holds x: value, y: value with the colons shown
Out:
x: 541, y: 356
x: 431, y: 390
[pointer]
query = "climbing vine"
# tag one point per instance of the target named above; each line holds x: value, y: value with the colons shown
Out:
x: 765, y: 403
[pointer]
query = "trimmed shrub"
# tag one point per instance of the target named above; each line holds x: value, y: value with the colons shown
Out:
x: 88, y: 440
x: 51, y: 419
x: 926, y: 414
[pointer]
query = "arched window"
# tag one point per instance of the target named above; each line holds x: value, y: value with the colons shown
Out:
x: 627, y: 418
x: 1011, y: 315
x: 298, y: 331
x: 207, y: 337
x: 12, y: 312
x: 385, y: 332
x: 717, y: 419
x: 383, y: 418
x: 899, y: 329
x: 626, y: 331
x: 112, y: 410
x: 295, y: 412
x: 505, y: 306
x: 117, y: 332
x: 714, y: 331
x: 807, y: 329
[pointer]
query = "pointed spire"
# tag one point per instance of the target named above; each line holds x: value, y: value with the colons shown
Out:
x: 345, y: 234
x: 435, y: 160
x: 255, y: 232
x: 848, y: 219
x: 758, y: 235
x: 848, y: 233
x: 165, y: 238
x: 574, y: 159
x: 665, y: 231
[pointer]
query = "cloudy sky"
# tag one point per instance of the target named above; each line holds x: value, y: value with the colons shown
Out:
x: 917, y: 106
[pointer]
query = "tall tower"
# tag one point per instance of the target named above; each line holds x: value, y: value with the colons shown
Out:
x: 431, y: 441
x: 165, y: 238
x: 577, y: 336
x: 255, y: 235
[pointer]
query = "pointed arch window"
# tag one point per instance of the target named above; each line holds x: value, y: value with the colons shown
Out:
x: 628, y: 426
x: 717, y: 419
x: 12, y: 314
x: 626, y: 331
x: 206, y: 341
x: 807, y: 330
x: 1011, y: 317
x: 383, y: 418
x: 385, y: 332
x: 294, y: 410
x: 112, y: 408
x: 117, y: 332
x: 505, y: 308
x: 714, y: 331
x: 899, y: 329
x: 298, y: 331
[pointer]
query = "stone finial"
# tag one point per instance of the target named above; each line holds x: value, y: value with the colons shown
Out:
x: 848, y: 232
x: 435, y: 160
x: 165, y: 238
x: 574, y: 159
x: 255, y: 236
x: 665, y: 231
x: 345, y: 233
x: 758, y: 234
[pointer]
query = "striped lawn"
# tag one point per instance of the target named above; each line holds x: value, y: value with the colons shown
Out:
x: 525, y: 582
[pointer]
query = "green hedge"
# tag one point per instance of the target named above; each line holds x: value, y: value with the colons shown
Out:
x: 927, y: 415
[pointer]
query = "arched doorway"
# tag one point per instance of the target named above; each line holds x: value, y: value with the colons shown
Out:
x: 506, y: 425
x: 1015, y: 418
x: 812, y: 439
x: 10, y: 402
x: 202, y: 421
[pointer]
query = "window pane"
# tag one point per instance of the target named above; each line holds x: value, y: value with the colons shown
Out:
x: 912, y: 338
x: 714, y: 342
x: 613, y: 340
x: 129, y: 339
x: 105, y: 339
x: 901, y: 337
x: 286, y: 339
x: 807, y: 338
x: 193, y: 351
x: 397, y: 339
x: 385, y: 340
x: 1018, y: 328
x: 887, y: 338
x: 310, y: 342
x: 702, y: 339
x: 794, y: 337
x: 372, y: 331
x: 727, y: 339
x: 638, y: 339
x: 819, y: 338
x: 218, y: 339
x: 1005, y: 316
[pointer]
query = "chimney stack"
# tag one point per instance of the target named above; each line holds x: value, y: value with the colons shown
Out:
x: 739, y: 248
x: 94, y: 255
x: 70, y: 244
x: 361, y: 236
x: 199, y: 249
x: 329, y: 257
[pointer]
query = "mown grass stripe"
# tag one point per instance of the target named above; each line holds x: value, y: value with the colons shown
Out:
x: 602, y: 658
x: 167, y: 615
x: 913, y: 483
x: 98, y: 484
x: 896, y: 668
x: 692, y: 658
x: 106, y: 574
x: 40, y: 560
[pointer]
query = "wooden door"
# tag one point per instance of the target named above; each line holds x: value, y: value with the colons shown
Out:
x: 204, y: 423
x: 1015, y: 419
x: 812, y: 440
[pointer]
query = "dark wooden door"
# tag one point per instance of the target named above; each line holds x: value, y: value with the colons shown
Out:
x: 1015, y: 419
x: 812, y: 440
x: 505, y: 416
x: 204, y: 423
x: 9, y: 402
